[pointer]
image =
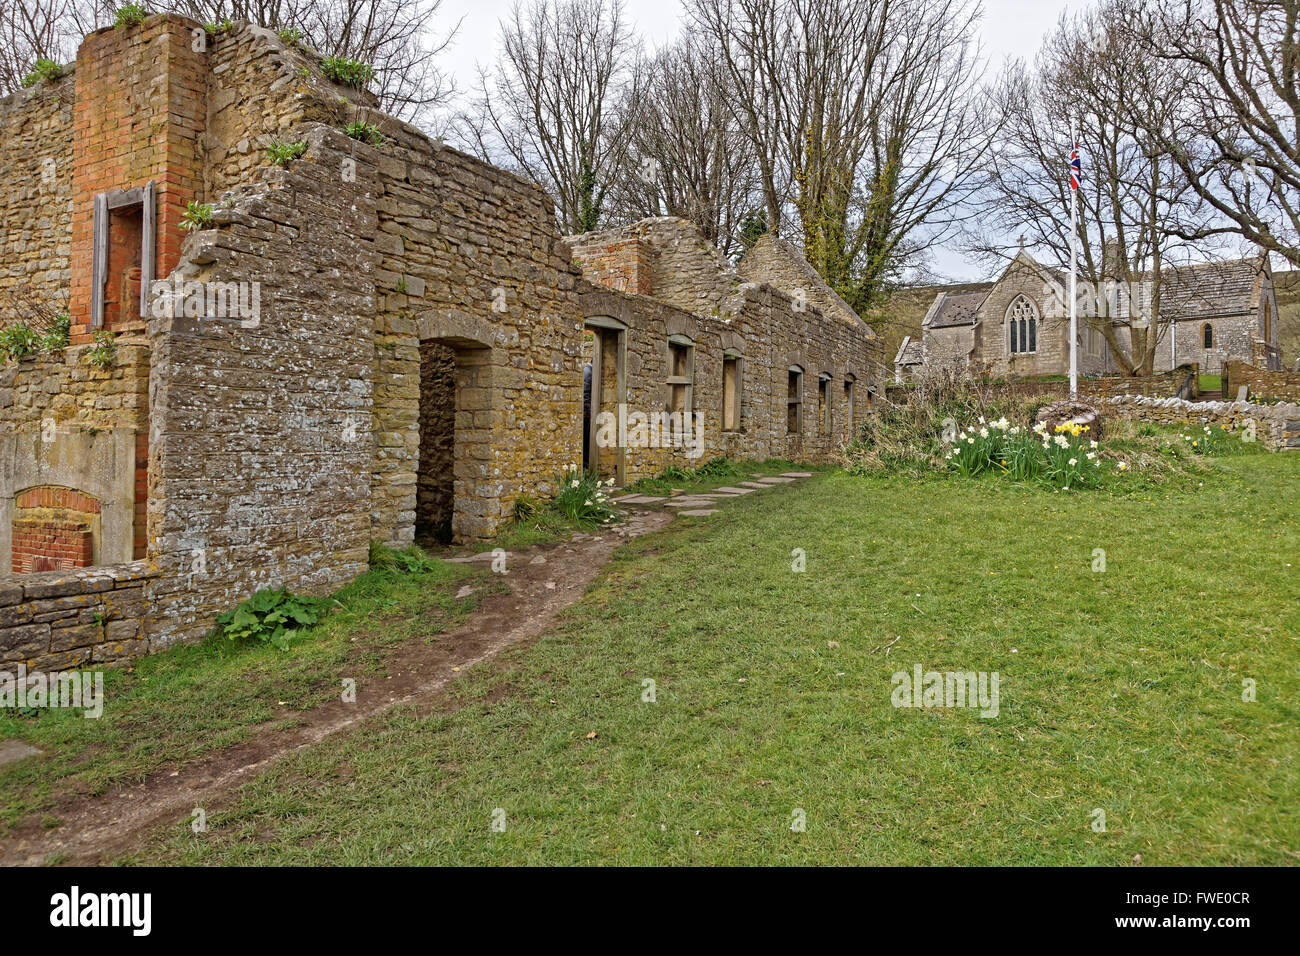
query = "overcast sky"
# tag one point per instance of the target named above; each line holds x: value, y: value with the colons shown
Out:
x: 1011, y: 28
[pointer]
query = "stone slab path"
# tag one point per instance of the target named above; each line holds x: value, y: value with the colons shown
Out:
x: 701, y: 504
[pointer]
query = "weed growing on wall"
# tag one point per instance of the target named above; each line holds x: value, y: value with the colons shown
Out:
x: 102, y: 352
x: 130, y: 15
x: 197, y: 215
x: 281, y: 153
x: 43, y: 70
x: 17, y: 340
x: 365, y: 132
x: 352, y: 73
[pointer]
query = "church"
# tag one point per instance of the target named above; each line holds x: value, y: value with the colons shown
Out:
x: 1208, y: 314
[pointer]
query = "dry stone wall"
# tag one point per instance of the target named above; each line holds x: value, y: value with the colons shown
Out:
x: 58, y: 621
x: 1276, y: 426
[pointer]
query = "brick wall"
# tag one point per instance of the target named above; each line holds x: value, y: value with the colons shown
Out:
x: 140, y: 112
x: 61, y: 620
x: 620, y: 264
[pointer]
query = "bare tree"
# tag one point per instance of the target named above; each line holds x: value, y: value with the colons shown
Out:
x: 1137, y: 213
x: 864, y: 120
x: 687, y: 156
x: 398, y: 39
x: 1236, y: 144
x: 32, y: 30
x: 550, y: 108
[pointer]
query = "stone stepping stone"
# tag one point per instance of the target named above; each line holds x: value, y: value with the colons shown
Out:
x: 690, y: 503
x: 699, y: 512
x: 11, y: 750
x: 776, y: 481
x: 481, y: 556
x: 728, y: 490
x: 640, y: 500
x: 796, y: 474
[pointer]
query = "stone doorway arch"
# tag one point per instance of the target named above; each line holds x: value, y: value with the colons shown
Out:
x: 455, y: 497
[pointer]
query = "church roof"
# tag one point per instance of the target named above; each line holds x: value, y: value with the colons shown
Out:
x: 953, y: 309
x: 909, y: 352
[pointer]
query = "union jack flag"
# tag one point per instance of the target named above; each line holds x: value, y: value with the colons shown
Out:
x: 1076, y: 167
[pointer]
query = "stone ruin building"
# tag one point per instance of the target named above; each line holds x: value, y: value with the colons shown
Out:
x: 362, y: 342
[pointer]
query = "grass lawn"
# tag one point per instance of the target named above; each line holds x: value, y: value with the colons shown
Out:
x: 188, y: 701
x: 1121, y: 691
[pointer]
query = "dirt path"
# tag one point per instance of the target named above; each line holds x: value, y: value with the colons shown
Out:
x: 99, y: 829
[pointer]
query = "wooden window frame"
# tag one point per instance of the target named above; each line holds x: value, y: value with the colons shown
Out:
x: 104, y: 203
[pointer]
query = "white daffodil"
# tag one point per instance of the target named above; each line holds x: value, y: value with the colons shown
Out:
x: 1073, y: 462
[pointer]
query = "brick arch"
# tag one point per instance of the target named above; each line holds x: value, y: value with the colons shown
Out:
x: 54, y: 528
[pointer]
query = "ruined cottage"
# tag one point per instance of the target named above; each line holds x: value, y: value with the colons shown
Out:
x: 288, y: 342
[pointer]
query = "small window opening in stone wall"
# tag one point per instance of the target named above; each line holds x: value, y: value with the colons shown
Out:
x: 849, y: 416
x: 731, y: 392
x: 824, y: 403
x: 794, y: 401
x: 122, y: 257
x: 1207, y: 335
x: 681, y: 375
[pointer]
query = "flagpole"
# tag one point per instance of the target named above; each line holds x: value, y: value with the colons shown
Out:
x: 1074, y: 265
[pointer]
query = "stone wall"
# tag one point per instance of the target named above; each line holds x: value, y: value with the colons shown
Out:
x: 1276, y: 426
x: 1260, y: 383
x: 262, y: 436
x: 59, y: 621
x: 66, y: 423
x: 698, y: 298
x: 470, y: 259
x: 36, y: 202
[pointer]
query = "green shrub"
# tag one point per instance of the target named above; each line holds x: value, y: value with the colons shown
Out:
x: 197, y: 215
x: 17, y: 340
x: 290, y: 36
x: 103, y: 351
x: 130, y: 15
x: 365, y: 132
x: 352, y: 73
x: 272, y: 616
x: 281, y: 153
x: 56, y: 337
x: 44, y: 70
